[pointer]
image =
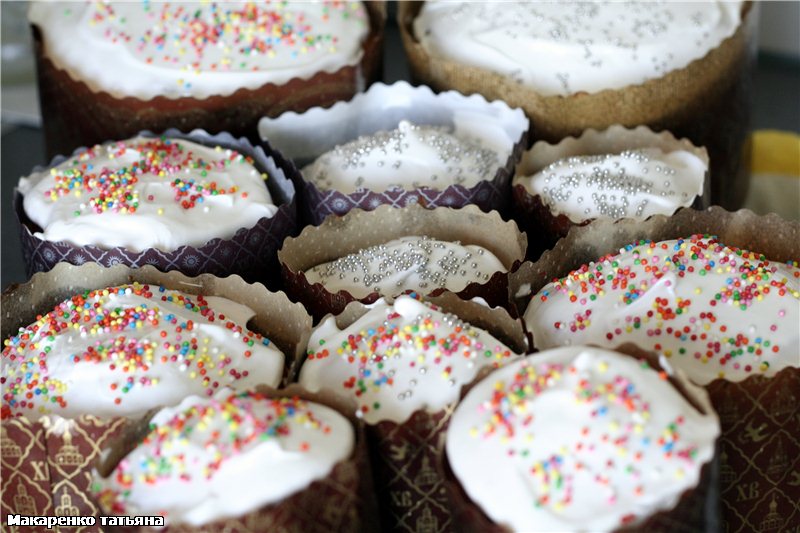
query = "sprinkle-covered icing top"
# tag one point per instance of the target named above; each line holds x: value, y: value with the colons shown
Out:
x: 562, y: 49
x: 420, y: 264
x: 123, y: 350
x: 636, y: 183
x: 398, y: 359
x: 714, y: 310
x: 408, y: 157
x: 578, y: 439
x: 147, y: 48
x: 209, y: 459
x: 147, y: 193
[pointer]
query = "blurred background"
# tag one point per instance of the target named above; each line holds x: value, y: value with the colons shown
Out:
x: 775, y: 186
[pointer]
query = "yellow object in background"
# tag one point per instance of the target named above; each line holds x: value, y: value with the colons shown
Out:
x: 775, y: 174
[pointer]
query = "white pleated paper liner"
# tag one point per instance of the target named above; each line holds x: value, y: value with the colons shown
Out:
x: 306, y: 136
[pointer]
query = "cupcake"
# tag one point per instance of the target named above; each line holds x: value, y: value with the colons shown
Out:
x: 192, y: 202
x: 616, y: 173
x: 79, y: 361
x: 368, y: 254
x: 579, y: 438
x: 721, y: 305
x: 683, y: 67
x: 404, y: 365
x: 399, y: 145
x: 120, y: 351
x: 200, y: 465
x: 107, y: 71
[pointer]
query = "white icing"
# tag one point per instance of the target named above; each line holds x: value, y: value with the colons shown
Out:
x: 562, y: 49
x: 726, y: 323
x: 146, y: 352
x: 410, y: 157
x: 636, y: 183
x: 198, y: 49
x: 260, y: 456
x: 62, y: 201
x: 419, y: 360
x: 411, y: 263
x: 568, y: 424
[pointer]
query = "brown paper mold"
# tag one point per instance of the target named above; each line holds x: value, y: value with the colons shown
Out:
x: 542, y: 226
x: 304, y: 137
x: 46, y: 464
x: 760, y: 443
x: 406, y: 457
x: 74, y: 115
x: 343, y: 501
x: 249, y: 253
x: 697, y: 510
x: 340, y: 236
x: 708, y: 101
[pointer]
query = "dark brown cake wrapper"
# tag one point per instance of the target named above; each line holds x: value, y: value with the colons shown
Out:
x: 339, y: 236
x: 696, y: 511
x: 309, y: 135
x: 709, y: 101
x: 543, y: 227
x: 249, y: 253
x: 73, y: 115
x: 406, y: 457
x: 342, y: 501
x: 760, y: 417
x: 760, y: 457
x: 46, y: 465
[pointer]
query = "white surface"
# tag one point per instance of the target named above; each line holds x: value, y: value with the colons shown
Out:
x: 149, y: 49
x: 107, y: 354
x: 582, y: 427
x: 711, y: 337
x: 65, y: 213
x: 414, y: 263
x: 243, y: 452
x: 419, y: 360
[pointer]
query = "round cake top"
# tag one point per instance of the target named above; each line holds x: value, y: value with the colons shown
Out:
x: 714, y: 310
x: 147, y: 49
x: 400, y: 358
x: 209, y: 459
x: 564, y: 49
x: 147, y: 193
x: 420, y: 264
x: 578, y: 439
x: 637, y: 183
x: 410, y: 157
x: 121, y: 351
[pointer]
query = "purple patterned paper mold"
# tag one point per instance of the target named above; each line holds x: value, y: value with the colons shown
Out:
x: 305, y: 136
x: 250, y: 253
